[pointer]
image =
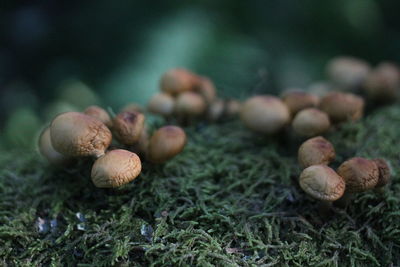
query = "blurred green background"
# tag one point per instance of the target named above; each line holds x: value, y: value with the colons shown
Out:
x: 63, y: 55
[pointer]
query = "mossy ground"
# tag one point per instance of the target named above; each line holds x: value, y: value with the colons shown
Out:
x: 231, y: 198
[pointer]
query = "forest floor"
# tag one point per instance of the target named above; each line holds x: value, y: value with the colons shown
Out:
x: 231, y: 198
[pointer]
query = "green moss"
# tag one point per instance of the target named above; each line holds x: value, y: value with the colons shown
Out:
x: 231, y: 198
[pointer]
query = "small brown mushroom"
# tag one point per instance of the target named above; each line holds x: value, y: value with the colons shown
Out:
x: 117, y: 167
x: 232, y: 108
x: 347, y: 73
x: 206, y: 89
x: 264, y: 114
x: 161, y: 104
x: 128, y: 126
x: 216, y: 110
x: 76, y: 134
x: 176, y: 81
x: 166, y: 143
x: 383, y: 83
x: 189, y: 105
x: 322, y: 183
x: 311, y: 122
x: 384, y: 172
x: 297, y: 100
x: 316, y: 151
x: 100, y: 114
x: 360, y: 174
x: 47, y: 150
x: 342, y: 106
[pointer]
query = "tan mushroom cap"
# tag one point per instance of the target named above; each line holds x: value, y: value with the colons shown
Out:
x: 316, y: 151
x: 128, y: 126
x: 359, y: 174
x: 232, y: 107
x: 190, y: 104
x: 166, y: 143
x: 100, y: 114
x: 383, y: 83
x: 216, y: 110
x: 176, y: 81
x: 161, y: 104
x: 76, y: 134
x: 47, y: 150
x: 206, y: 89
x: 297, y: 100
x: 384, y: 172
x: 311, y: 122
x: 322, y: 183
x: 264, y: 114
x: 116, y: 168
x: 342, y: 106
x: 347, y: 73
x: 132, y: 107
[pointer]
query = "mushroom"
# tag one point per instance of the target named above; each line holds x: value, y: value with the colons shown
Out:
x: 142, y: 144
x: 297, y: 100
x: 264, y: 114
x: 206, y: 89
x: 216, y: 110
x: 384, y: 172
x: 383, y: 83
x: 176, y: 81
x: 347, y: 73
x: 166, y: 143
x: 127, y: 127
x: 232, y: 108
x: 47, y: 150
x: 132, y: 107
x: 322, y: 183
x: 100, y: 114
x: 161, y: 104
x: 360, y: 174
x: 116, y: 168
x: 342, y: 106
x: 316, y: 151
x: 76, y: 134
x: 189, y: 105
x: 311, y: 122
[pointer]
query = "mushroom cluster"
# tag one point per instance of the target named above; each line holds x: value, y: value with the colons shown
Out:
x: 74, y: 135
x: 353, y: 176
x: 187, y: 97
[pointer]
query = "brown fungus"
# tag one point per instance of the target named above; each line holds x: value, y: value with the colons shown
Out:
x: 128, y: 126
x: 316, y: 151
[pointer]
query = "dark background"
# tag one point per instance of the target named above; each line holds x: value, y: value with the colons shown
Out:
x: 119, y: 49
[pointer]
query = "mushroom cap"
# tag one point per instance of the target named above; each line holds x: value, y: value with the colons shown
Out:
x: 383, y: 83
x: 264, y: 114
x: 232, y: 107
x: 100, y: 114
x: 342, y: 106
x: 128, y: 126
x: 76, y: 134
x: 347, y: 73
x: 166, y: 143
x: 311, y: 122
x: 360, y: 174
x: 206, y: 89
x: 316, y: 151
x: 190, y: 104
x: 322, y: 183
x: 47, y: 150
x: 178, y: 80
x: 297, y: 100
x: 133, y: 107
x: 161, y: 104
x: 384, y: 172
x: 216, y: 110
x: 116, y: 168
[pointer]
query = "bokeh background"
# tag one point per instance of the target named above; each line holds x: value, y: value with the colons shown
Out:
x: 62, y: 55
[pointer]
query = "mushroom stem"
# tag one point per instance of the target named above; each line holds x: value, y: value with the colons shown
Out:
x: 345, y: 200
x: 324, y: 207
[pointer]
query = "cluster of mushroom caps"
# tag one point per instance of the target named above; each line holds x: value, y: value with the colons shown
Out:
x: 187, y: 97
x: 355, y: 175
x: 74, y: 135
